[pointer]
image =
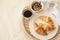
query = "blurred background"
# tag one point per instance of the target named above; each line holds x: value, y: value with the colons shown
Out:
x: 11, y: 27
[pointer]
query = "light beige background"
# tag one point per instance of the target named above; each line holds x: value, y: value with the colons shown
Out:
x: 11, y: 26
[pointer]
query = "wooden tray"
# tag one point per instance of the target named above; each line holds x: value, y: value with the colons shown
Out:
x: 26, y: 26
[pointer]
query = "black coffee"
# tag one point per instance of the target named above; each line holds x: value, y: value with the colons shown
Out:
x: 27, y: 13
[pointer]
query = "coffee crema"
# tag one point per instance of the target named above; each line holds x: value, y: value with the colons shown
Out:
x: 36, y: 6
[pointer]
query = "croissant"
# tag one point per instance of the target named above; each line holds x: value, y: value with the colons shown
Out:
x: 44, y: 28
x: 39, y: 29
x: 49, y: 21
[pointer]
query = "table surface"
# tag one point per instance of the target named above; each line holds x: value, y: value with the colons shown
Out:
x: 11, y: 26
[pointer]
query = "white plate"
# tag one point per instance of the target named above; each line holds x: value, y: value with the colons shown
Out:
x: 31, y: 27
